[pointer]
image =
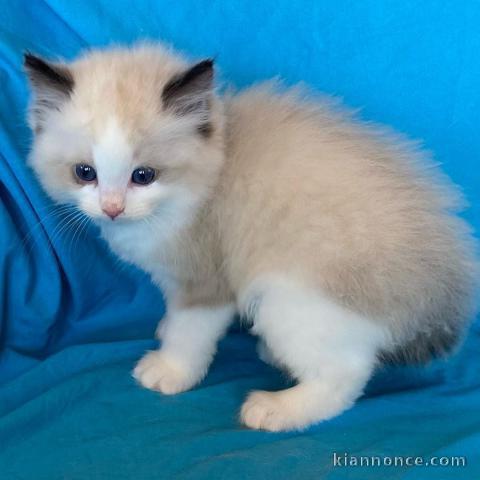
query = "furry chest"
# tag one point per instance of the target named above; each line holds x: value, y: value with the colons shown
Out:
x: 135, y: 244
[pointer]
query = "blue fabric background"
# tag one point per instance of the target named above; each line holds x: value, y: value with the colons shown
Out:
x: 73, y: 320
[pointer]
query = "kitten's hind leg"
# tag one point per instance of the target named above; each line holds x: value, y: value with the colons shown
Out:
x: 189, y: 341
x: 330, y: 351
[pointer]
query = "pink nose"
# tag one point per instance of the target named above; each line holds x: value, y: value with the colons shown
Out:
x: 113, y: 211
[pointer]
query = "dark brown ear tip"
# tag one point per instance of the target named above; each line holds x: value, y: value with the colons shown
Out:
x: 43, y: 73
x: 30, y: 60
x: 205, y: 66
x: 33, y: 63
x: 208, y: 63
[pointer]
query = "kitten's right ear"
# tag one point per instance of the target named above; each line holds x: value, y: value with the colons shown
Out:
x: 52, y: 84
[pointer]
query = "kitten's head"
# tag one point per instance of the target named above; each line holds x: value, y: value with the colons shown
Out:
x: 126, y: 134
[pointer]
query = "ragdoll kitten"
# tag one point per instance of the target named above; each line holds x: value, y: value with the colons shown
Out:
x: 328, y: 235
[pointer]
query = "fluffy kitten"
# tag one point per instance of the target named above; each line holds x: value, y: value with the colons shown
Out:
x: 329, y: 235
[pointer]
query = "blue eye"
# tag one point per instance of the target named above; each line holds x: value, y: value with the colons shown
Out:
x: 143, y: 175
x: 86, y: 173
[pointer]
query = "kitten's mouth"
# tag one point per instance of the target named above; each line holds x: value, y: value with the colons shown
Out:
x: 118, y: 219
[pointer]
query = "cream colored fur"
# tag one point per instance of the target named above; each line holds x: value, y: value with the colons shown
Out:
x: 336, y: 238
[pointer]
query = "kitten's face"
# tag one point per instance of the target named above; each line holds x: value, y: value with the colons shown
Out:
x: 126, y: 134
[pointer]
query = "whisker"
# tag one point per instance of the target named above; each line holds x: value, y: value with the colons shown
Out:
x: 65, y: 227
x: 78, y: 232
x: 29, y: 239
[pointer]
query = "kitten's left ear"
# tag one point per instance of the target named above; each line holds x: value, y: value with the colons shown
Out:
x: 52, y: 84
x: 190, y: 91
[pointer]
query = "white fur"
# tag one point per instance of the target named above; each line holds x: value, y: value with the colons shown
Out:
x: 329, y: 350
x: 113, y: 157
x: 189, y: 339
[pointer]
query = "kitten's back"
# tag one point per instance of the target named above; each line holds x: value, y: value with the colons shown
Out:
x: 354, y: 211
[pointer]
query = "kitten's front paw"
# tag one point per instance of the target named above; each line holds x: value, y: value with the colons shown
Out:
x: 266, y: 411
x: 160, y: 371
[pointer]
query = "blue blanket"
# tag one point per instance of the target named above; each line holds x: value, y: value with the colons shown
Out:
x: 74, y: 320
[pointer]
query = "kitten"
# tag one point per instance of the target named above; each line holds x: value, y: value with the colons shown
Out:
x: 328, y: 234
